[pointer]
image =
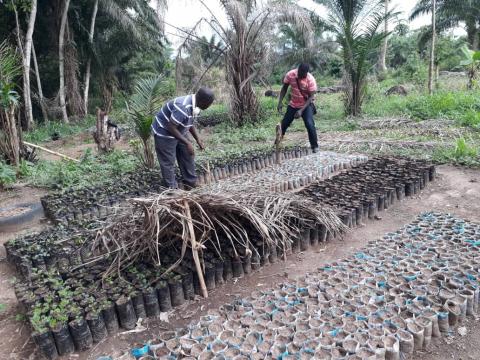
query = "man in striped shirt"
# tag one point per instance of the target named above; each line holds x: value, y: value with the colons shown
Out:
x: 171, y: 127
x: 304, y: 87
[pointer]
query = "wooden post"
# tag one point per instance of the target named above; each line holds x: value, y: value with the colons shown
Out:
x: 278, y: 142
x: 196, y: 258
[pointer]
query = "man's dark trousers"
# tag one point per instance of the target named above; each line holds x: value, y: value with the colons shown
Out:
x: 168, y: 150
x: 307, y: 116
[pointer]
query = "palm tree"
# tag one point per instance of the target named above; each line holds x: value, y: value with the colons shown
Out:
x: 356, y: 24
x: 9, y: 101
x: 125, y: 21
x: 248, y: 45
x: 452, y: 14
x: 142, y: 107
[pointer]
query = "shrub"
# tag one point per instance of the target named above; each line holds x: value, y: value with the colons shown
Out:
x: 8, y: 175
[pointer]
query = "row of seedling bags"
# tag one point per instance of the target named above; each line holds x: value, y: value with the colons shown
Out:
x: 70, y: 311
x: 362, y: 192
x: 358, y: 194
x: 385, y: 302
x: 93, y: 202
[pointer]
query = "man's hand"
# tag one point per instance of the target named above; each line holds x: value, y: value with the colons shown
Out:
x: 298, y: 114
x: 190, y: 148
x: 280, y: 108
x: 201, y: 145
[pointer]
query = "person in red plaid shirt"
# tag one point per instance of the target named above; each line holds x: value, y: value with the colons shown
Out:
x: 304, y: 87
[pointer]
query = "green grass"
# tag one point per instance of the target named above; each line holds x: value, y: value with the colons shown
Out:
x: 44, y: 132
x: 91, y: 170
x: 462, y: 153
x: 418, y: 105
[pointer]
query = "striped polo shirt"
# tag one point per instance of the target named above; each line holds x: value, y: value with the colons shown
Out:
x: 179, y: 111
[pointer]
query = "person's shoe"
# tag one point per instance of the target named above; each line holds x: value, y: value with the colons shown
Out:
x: 315, y: 150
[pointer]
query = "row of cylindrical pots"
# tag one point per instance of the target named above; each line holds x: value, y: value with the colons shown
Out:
x: 94, y: 202
x: 386, y: 301
x: 290, y: 175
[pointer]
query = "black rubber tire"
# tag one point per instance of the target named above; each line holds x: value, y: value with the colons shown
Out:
x: 35, y: 211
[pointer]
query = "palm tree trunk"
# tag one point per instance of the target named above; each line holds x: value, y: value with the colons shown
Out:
x: 382, y: 61
x: 89, y: 61
x: 431, y: 69
x: 61, y: 60
x: 39, y: 86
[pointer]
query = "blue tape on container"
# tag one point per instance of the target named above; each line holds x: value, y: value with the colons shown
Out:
x: 281, y: 356
x: 410, y: 277
x: 139, y: 352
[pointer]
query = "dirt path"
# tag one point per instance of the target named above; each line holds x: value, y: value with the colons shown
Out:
x: 456, y: 191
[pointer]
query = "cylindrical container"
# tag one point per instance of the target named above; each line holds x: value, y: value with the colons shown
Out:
x: 305, y: 239
x: 237, y: 267
x: 46, y: 343
x: 82, y: 337
x: 139, y: 305
x: 176, y: 290
x: 210, y: 274
x: 163, y: 293
x: 152, y: 307
x: 227, y: 269
x: 63, y: 340
x: 219, y: 272
x: 97, y: 326
x: 110, y: 317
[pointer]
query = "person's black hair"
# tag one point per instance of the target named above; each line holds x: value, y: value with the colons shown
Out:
x: 303, y: 70
x: 204, y: 98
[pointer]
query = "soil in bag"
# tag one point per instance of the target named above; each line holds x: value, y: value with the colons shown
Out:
x: 210, y: 276
x: 110, y: 317
x: 46, y: 343
x: 176, y: 290
x: 187, y: 283
x: 163, y: 293
x: 219, y: 272
x: 63, y: 340
x: 237, y: 268
x: 152, y: 307
x: 126, y: 313
x: 227, y: 269
x: 82, y: 337
x: 97, y: 326
x: 139, y: 305
x: 247, y: 264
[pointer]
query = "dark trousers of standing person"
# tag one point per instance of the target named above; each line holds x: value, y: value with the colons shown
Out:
x: 307, y: 116
x: 168, y: 150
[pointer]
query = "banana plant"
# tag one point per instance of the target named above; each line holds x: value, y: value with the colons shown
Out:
x: 471, y: 62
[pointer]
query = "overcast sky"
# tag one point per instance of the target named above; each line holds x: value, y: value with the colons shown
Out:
x: 185, y: 13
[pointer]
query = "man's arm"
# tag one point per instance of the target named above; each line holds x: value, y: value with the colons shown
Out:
x: 283, y: 92
x: 194, y: 133
x: 172, y: 129
x: 307, y: 103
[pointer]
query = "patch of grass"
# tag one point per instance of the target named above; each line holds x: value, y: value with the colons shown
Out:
x: 421, y: 106
x: 44, y: 132
x: 462, y: 154
x: 91, y: 170
x: 470, y: 119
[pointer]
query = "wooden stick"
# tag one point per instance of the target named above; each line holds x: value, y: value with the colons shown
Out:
x: 51, y: 151
x: 196, y: 259
x: 278, y: 142
x: 208, y: 172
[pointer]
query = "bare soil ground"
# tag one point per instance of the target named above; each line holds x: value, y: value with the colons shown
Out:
x: 456, y: 191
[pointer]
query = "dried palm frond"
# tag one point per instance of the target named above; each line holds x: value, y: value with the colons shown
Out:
x: 147, y: 226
